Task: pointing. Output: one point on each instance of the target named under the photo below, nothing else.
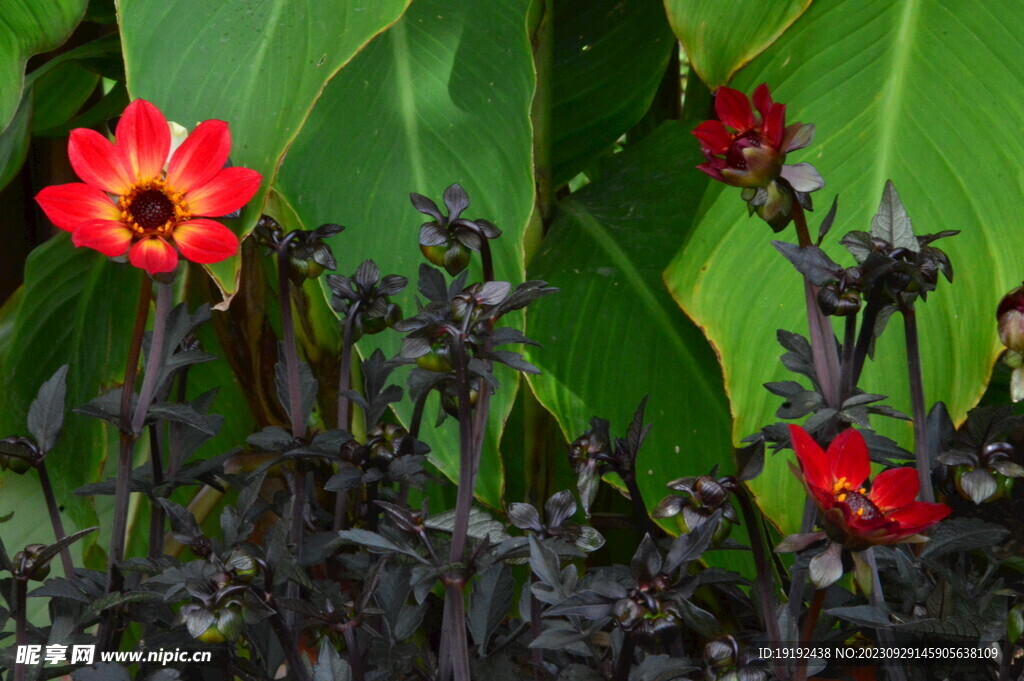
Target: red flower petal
(97, 161)
(812, 459)
(69, 205)
(894, 488)
(144, 139)
(713, 136)
(848, 458)
(200, 156)
(773, 125)
(918, 515)
(153, 254)
(205, 241)
(763, 100)
(712, 171)
(106, 236)
(733, 109)
(227, 191)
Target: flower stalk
(762, 563)
(918, 409)
(20, 623)
(124, 460)
(58, 525)
(807, 633)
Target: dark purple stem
(164, 298)
(20, 623)
(344, 418)
(291, 353)
(762, 562)
(122, 485)
(823, 349)
(924, 465)
(58, 525)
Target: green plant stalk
(20, 623)
(923, 460)
(765, 589)
(58, 525)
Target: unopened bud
(1010, 314)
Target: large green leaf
(615, 334)
(721, 37)
(870, 76)
(258, 65)
(76, 308)
(443, 96)
(29, 27)
(609, 58)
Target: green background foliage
(561, 119)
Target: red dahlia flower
(135, 199)
(749, 151)
(855, 516)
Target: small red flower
(134, 199)
(749, 150)
(855, 516)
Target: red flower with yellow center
(858, 516)
(134, 199)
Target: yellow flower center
(151, 208)
(856, 500)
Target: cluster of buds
(33, 563)
(986, 474)
(558, 510)
(18, 454)
(309, 254)
(981, 456)
(365, 298)
(842, 297)
(902, 271)
(218, 611)
(588, 457)
(701, 497)
(447, 240)
(725, 662)
(649, 612)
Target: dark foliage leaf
(489, 603)
(892, 223)
(46, 415)
(960, 535)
